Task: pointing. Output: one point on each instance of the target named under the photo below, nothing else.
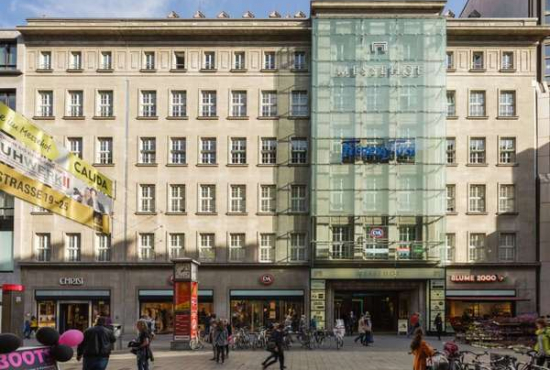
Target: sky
(14, 12)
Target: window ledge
(175, 213)
(237, 165)
(273, 118)
(507, 213)
(507, 118)
(208, 70)
(301, 70)
(177, 165)
(242, 70)
(451, 70)
(507, 164)
(237, 118)
(206, 213)
(99, 118)
(507, 70)
(75, 118)
(478, 70)
(70, 70)
(269, 70)
(451, 213)
(208, 118)
(153, 118)
(10, 72)
(266, 165)
(477, 213)
(266, 213)
(182, 118)
(103, 164)
(41, 213)
(298, 165)
(49, 70)
(297, 213)
(477, 117)
(298, 117)
(452, 117)
(146, 164)
(236, 214)
(139, 213)
(206, 165)
(452, 164)
(106, 70)
(42, 118)
(145, 70)
(477, 164)
(178, 70)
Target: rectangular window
(477, 104)
(298, 198)
(239, 63)
(507, 60)
(298, 247)
(450, 244)
(179, 60)
(208, 104)
(104, 150)
(507, 198)
(178, 150)
(342, 247)
(209, 61)
(299, 104)
(149, 60)
(106, 60)
(75, 104)
(236, 247)
(73, 248)
(147, 198)
(43, 247)
(300, 63)
(45, 61)
(476, 250)
(105, 104)
(507, 104)
(103, 248)
(477, 150)
(269, 60)
(207, 199)
(238, 103)
(177, 199)
(507, 247)
(267, 247)
(477, 60)
(269, 103)
(238, 150)
(268, 198)
(75, 146)
(451, 103)
(206, 247)
(451, 198)
(8, 55)
(298, 151)
(147, 247)
(8, 97)
(208, 151)
(148, 106)
(148, 150)
(451, 150)
(237, 200)
(507, 150)
(477, 199)
(177, 245)
(45, 104)
(450, 60)
(269, 150)
(178, 104)
(76, 60)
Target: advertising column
(186, 288)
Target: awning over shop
(154, 293)
(486, 299)
(266, 293)
(480, 293)
(72, 293)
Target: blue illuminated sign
(378, 150)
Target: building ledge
(101, 70)
(507, 118)
(503, 265)
(10, 72)
(106, 118)
(156, 264)
(180, 118)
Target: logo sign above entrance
(267, 279)
(488, 278)
(72, 281)
(377, 232)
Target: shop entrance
(383, 307)
(74, 315)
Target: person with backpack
(96, 347)
(275, 345)
(542, 347)
(220, 341)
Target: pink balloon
(71, 338)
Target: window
(298, 198)
(105, 104)
(178, 150)
(8, 97)
(269, 60)
(269, 150)
(268, 198)
(45, 104)
(297, 247)
(148, 150)
(208, 104)
(179, 60)
(451, 198)
(507, 104)
(300, 61)
(176, 199)
(206, 247)
(207, 199)
(477, 60)
(507, 62)
(147, 198)
(451, 150)
(104, 150)
(103, 247)
(178, 104)
(239, 61)
(43, 247)
(507, 247)
(149, 60)
(75, 105)
(148, 106)
(75, 62)
(267, 247)
(269, 103)
(8, 55)
(477, 150)
(451, 103)
(477, 103)
(177, 245)
(379, 48)
(477, 199)
(342, 247)
(146, 247)
(450, 60)
(7, 205)
(106, 62)
(299, 104)
(476, 250)
(208, 150)
(507, 150)
(238, 151)
(298, 149)
(75, 146)
(209, 61)
(237, 200)
(45, 61)
(73, 248)
(507, 198)
(238, 103)
(236, 247)
(450, 244)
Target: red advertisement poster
(182, 296)
(194, 309)
(186, 306)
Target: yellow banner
(34, 192)
(36, 139)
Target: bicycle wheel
(193, 344)
(339, 343)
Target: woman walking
(275, 346)
(421, 350)
(438, 322)
(543, 342)
(220, 340)
(141, 345)
(368, 330)
(361, 330)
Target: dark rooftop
(495, 9)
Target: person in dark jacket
(438, 322)
(96, 346)
(275, 346)
(141, 346)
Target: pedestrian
(438, 322)
(150, 323)
(212, 336)
(275, 346)
(220, 341)
(542, 347)
(414, 323)
(96, 347)
(352, 320)
(141, 346)
(421, 350)
(361, 330)
(27, 328)
(368, 330)
(229, 334)
(34, 325)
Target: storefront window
(46, 314)
(471, 310)
(256, 313)
(161, 312)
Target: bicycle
(475, 364)
(507, 362)
(196, 343)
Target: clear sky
(14, 12)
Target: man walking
(96, 346)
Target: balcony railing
(379, 251)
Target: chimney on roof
(199, 14)
(173, 15)
(274, 14)
(300, 14)
(224, 14)
(248, 14)
(449, 14)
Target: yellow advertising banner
(41, 195)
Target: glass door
(74, 315)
